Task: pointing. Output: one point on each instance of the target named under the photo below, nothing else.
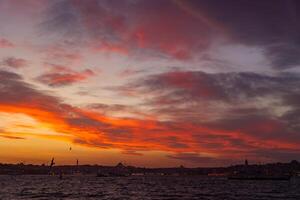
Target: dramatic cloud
(260, 106)
(201, 81)
(133, 135)
(88, 128)
(16, 96)
(178, 86)
(159, 27)
(270, 24)
(182, 29)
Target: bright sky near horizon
(149, 83)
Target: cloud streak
(63, 76)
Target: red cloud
(162, 29)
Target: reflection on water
(144, 187)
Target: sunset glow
(149, 83)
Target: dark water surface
(144, 187)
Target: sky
(159, 83)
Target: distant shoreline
(120, 169)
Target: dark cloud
(284, 55)
(292, 117)
(257, 105)
(14, 91)
(154, 27)
(95, 143)
(170, 141)
(215, 141)
(85, 121)
(106, 107)
(175, 142)
(63, 76)
(271, 24)
(182, 29)
(180, 86)
(118, 109)
(14, 62)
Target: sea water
(144, 187)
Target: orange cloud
(92, 129)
